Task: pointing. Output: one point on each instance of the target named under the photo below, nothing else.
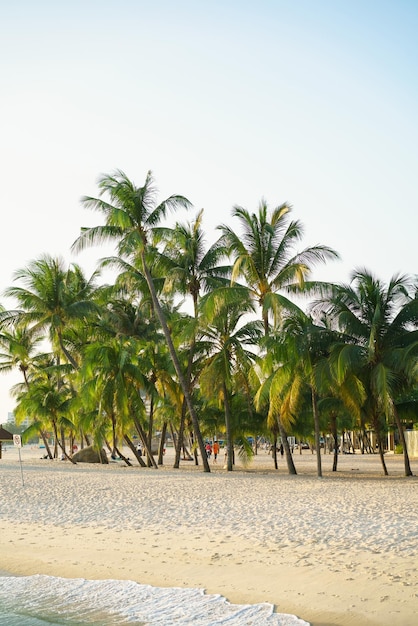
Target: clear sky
(310, 102)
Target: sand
(341, 550)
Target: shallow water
(42, 600)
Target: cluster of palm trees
(204, 341)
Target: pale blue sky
(313, 103)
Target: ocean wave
(47, 599)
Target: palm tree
(47, 399)
(19, 350)
(131, 214)
(52, 299)
(264, 256)
(379, 344)
(129, 314)
(228, 358)
(190, 269)
(18, 344)
(113, 380)
(306, 344)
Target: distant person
(281, 450)
(215, 450)
(208, 448)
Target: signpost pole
(17, 442)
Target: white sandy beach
(342, 550)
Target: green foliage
(105, 361)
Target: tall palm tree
(190, 270)
(306, 344)
(131, 213)
(264, 255)
(47, 399)
(113, 381)
(18, 345)
(379, 344)
(51, 299)
(229, 358)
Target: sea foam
(111, 602)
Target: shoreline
(338, 551)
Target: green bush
(398, 448)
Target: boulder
(90, 455)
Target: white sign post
(17, 442)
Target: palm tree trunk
(176, 362)
(46, 444)
(131, 445)
(228, 427)
(274, 449)
(408, 471)
(184, 404)
(335, 437)
(66, 353)
(180, 436)
(114, 444)
(289, 457)
(162, 444)
(144, 440)
(63, 447)
(380, 446)
(122, 456)
(317, 433)
(173, 434)
(57, 441)
(150, 425)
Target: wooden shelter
(4, 436)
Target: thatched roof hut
(4, 436)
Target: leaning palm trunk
(335, 437)
(317, 437)
(162, 444)
(408, 471)
(180, 436)
(150, 424)
(144, 439)
(62, 435)
(57, 441)
(66, 353)
(184, 404)
(228, 427)
(274, 449)
(46, 444)
(176, 363)
(133, 449)
(380, 446)
(289, 458)
(122, 456)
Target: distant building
(12, 420)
